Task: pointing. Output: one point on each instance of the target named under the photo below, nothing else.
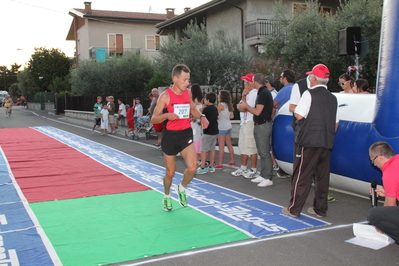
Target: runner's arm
(158, 116)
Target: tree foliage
(218, 61)
(8, 76)
(22, 82)
(117, 75)
(158, 80)
(311, 37)
(44, 67)
(14, 91)
(60, 84)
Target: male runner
(174, 107)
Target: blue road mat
(252, 216)
(22, 241)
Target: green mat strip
(122, 227)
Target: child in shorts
(98, 106)
(208, 142)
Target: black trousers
(310, 165)
(386, 218)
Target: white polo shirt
(295, 95)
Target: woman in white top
(225, 109)
(138, 109)
(346, 83)
(196, 96)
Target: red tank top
(180, 105)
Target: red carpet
(48, 170)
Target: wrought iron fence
(101, 53)
(86, 102)
(262, 27)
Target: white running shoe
(251, 174)
(257, 180)
(239, 172)
(265, 183)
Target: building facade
(100, 34)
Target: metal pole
(357, 42)
(357, 66)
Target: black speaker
(347, 39)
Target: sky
(45, 23)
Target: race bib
(182, 110)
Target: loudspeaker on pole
(349, 41)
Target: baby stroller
(142, 123)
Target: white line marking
(3, 219)
(50, 248)
(113, 136)
(244, 243)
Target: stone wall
(88, 116)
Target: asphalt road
(319, 246)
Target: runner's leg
(190, 158)
(170, 165)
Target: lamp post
(41, 96)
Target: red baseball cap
(249, 77)
(320, 71)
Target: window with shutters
(299, 7)
(153, 42)
(118, 44)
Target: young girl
(225, 109)
(104, 120)
(196, 96)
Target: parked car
(2, 96)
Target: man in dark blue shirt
(287, 78)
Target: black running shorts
(174, 141)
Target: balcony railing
(101, 53)
(262, 27)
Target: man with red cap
(246, 140)
(317, 121)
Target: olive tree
(217, 61)
(311, 37)
(116, 75)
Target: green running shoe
(330, 198)
(167, 204)
(182, 196)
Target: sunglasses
(342, 83)
(372, 161)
